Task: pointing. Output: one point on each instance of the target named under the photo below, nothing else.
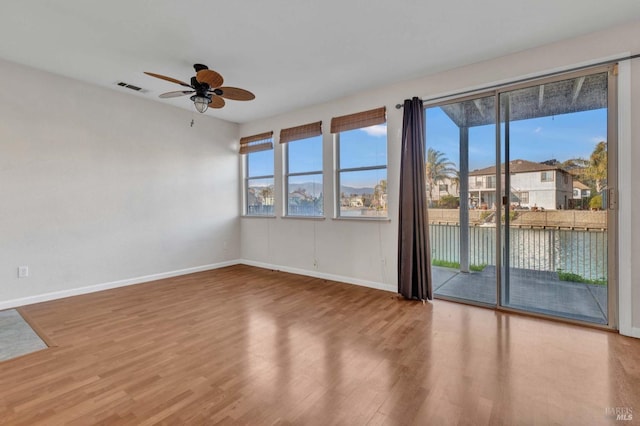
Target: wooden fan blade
(164, 77)
(236, 94)
(176, 94)
(216, 102)
(210, 77)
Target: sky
(562, 137)
(358, 148)
(559, 137)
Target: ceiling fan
(206, 89)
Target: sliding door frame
(449, 100)
(612, 185)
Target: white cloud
(537, 130)
(597, 139)
(376, 131)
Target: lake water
(579, 252)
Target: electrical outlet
(225, 246)
(23, 271)
(315, 263)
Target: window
(491, 182)
(443, 187)
(258, 182)
(521, 197)
(566, 178)
(546, 176)
(361, 164)
(576, 193)
(303, 170)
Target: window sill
(257, 216)
(363, 219)
(305, 217)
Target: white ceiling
(290, 53)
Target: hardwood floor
(243, 345)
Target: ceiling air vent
(131, 86)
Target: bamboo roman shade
(301, 132)
(255, 143)
(359, 120)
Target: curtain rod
(523, 80)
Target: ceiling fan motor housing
(200, 88)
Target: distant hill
(359, 191)
(310, 188)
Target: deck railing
(579, 252)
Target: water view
(572, 253)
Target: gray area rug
(16, 336)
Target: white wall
(98, 187)
(353, 250)
(541, 194)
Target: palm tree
(267, 195)
(437, 169)
(597, 169)
(379, 191)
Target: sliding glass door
(555, 166)
(462, 200)
(521, 206)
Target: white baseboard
(631, 332)
(14, 303)
(321, 275)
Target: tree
(378, 193)
(596, 202)
(437, 169)
(318, 205)
(449, 202)
(267, 195)
(575, 164)
(597, 169)
(383, 185)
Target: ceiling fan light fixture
(201, 103)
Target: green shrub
(596, 202)
(575, 278)
(478, 268)
(449, 202)
(445, 263)
(512, 215)
(456, 265)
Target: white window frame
(287, 175)
(544, 176)
(491, 182)
(521, 195)
(338, 184)
(247, 178)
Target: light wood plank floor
(243, 345)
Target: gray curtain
(414, 253)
